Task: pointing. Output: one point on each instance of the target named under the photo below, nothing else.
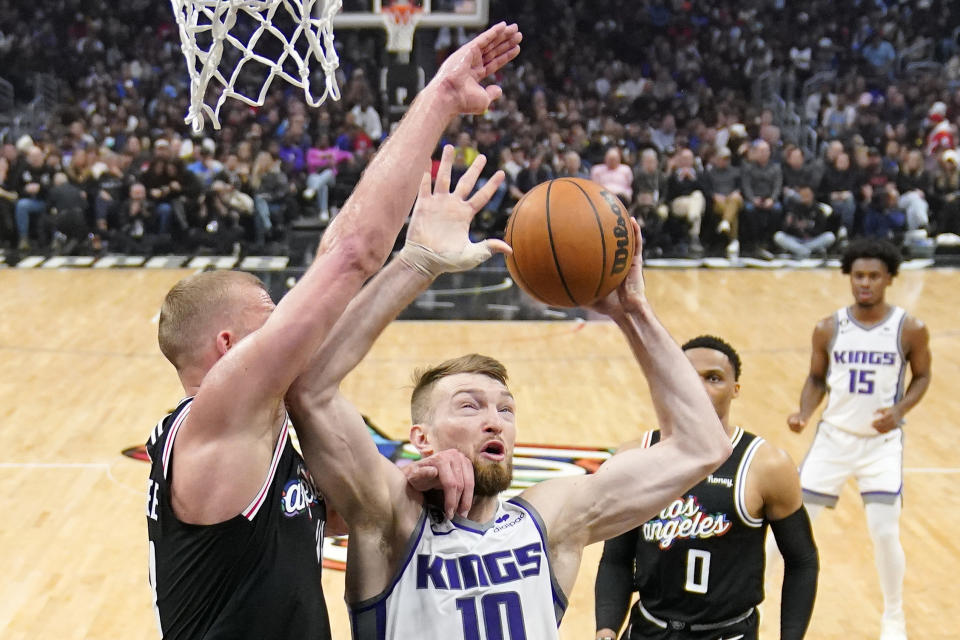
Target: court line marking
(102, 466)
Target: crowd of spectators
(653, 99)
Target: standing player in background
(860, 355)
(234, 522)
(503, 568)
(698, 566)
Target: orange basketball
(572, 242)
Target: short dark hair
(872, 248)
(717, 344)
(424, 379)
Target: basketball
(572, 242)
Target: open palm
(462, 72)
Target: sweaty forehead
(469, 382)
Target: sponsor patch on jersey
(299, 495)
(724, 482)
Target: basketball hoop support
(400, 22)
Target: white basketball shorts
(876, 462)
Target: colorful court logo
(531, 464)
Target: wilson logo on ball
(622, 256)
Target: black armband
(614, 584)
(801, 566)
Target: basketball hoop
(212, 20)
(400, 21)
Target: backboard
(434, 13)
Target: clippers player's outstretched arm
(634, 484)
(234, 419)
(916, 346)
(815, 386)
(375, 498)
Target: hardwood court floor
(81, 379)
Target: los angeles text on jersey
(478, 570)
(683, 519)
(864, 357)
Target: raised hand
(461, 73)
(438, 238)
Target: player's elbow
(304, 399)
(711, 452)
(360, 253)
(716, 454)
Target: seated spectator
(805, 230)
(664, 136)
(876, 189)
(7, 199)
(205, 166)
(686, 203)
(137, 227)
(32, 180)
(156, 181)
(762, 182)
(270, 191)
(112, 182)
(536, 172)
(509, 164)
(466, 148)
(915, 185)
(891, 159)
(837, 188)
(367, 117)
(323, 163)
(884, 218)
(722, 182)
(946, 189)
(493, 216)
(613, 175)
(648, 208)
(80, 171)
(880, 57)
(68, 205)
(797, 175)
(572, 166)
(352, 136)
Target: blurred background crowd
(752, 128)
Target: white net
(400, 22)
(235, 48)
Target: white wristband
(431, 264)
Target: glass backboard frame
(429, 18)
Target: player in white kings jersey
(488, 568)
(860, 354)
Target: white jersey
(865, 372)
(466, 581)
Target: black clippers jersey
(701, 559)
(256, 575)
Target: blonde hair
(189, 307)
(425, 379)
